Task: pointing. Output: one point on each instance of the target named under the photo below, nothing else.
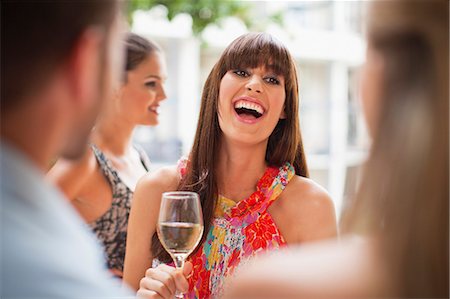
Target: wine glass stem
(179, 263)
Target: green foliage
(203, 12)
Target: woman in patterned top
(248, 166)
(101, 184)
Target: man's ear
(83, 68)
(118, 91)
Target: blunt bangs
(253, 50)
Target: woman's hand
(163, 281)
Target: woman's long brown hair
(285, 143)
(403, 197)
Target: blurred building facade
(326, 39)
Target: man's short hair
(38, 35)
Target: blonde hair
(403, 197)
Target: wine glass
(180, 225)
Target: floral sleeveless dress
(240, 231)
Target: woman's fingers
(158, 280)
(147, 294)
(181, 283)
(187, 269)
(163, 281)
(179, 277)
(163, 274)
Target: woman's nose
(254, 84)
(162, 94)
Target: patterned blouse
(240, 231)
(111, 227)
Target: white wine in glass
(180, 225)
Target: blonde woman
(400, 214)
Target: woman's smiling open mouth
(248, 110)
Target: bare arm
(142, 222)
(327, 269)
(72, 176)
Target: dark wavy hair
(138, 49)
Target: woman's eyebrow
(272, 68)
(153, 77)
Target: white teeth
(153, 108)
(249, 105)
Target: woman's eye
(150, 84)
(273, 80)
(241, 73)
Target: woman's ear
(283, 114)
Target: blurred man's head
(62, 55)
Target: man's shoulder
(48, 252)
(51, 259)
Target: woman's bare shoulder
(305, 212)
(165, 178)
(71, 176)
(146, 201)
(305, 194)
(84, 166)
(151, 186)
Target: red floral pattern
(199, 280)
(239, 232)
(261, 232)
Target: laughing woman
(100, 185)
(249, 168)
